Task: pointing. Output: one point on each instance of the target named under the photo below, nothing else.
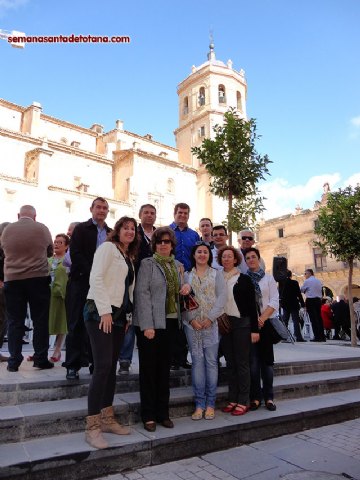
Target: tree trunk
(230, 217)
(351, 306)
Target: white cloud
(6, 5)
(355, 121)
(282, 198)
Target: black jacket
(290, 295)
(82, 248)
(244, 295)
(144, 247)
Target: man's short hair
(27, 211)
(99, 199)
(204, 219)
(220, 227)
(181, 205)
(310, 270)
(247, 230)
(147, 205)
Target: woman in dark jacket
(242, 313)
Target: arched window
(238, 101)
(186, 106)
(201, 96)
(222, 95)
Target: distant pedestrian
(312, 287)
(291, 302)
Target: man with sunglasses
(246, 239)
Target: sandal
(229, 408)
(270, 405)
(198, 414)
(209, 413)
(254, 405)
(240, 410)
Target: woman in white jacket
(109, 301)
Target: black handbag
(275, 330)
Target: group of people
(135, 280)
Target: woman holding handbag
(242, 316)
(262, 353)
(201, 329)
(107, 309)
(157, 316)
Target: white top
(107, 278)
(270, 293)
(231, 307)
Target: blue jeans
(127, 349)
(204, 372)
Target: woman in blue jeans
(202, 331)
(262, 353)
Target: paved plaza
(331, 452)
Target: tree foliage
(338, 227)
(235, 168)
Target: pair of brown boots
(103, 422)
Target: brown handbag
(224, 324)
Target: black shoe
(270, 405)
(300, 340)
(254, 405)
(9, 368)
(72, 374)
(167, 423)
(43, 365)
(186, 365)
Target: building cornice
(66, 124)
(142, 153)
(197, 118)
(12, 106)
(140, 137)
(24, 181)
(77, 194)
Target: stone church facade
(60, 167)
(292, 236)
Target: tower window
(201, 96)
(202, 131)
(186, 106)
(238, 101)
(280, 232)
(222, 95)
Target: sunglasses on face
(166, 241)
(247, 238)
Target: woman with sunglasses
(262, 353)
(242, 314)
(157, 316)
(202, 331)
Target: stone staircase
(42, 422)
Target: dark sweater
(244, 295)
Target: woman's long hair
(114, 236)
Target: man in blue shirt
(185, 236)
(185, 240)
(312, 287)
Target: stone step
(31, 420)
(68, 457)
(54, 386)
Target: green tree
(338, 227)
(235, 168)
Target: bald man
(27, 244)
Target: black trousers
(106, 349)
(154, 373)
(178, 343)
(78, 350)
(236, 347)
(36, 293)
(313, 308)
(294, 312)
(3, 317)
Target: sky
(301, 60)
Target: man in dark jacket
(341, 311)
(291, 301)
(86, 238)
(147, 215)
